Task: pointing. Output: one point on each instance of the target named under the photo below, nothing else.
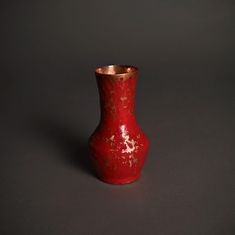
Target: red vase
(118, 146)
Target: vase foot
(126, 180)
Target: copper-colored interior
(115, 69)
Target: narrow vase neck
(117, 99)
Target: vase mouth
(116, 71)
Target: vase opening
(113, 70)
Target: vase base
(126, 180)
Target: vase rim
(116, 71)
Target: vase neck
(117, 99)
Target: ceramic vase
(118, 146)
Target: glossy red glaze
(118, 146)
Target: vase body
(118, 146)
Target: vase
(118, 146)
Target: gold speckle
(113, 116)
(135, 160)
(107, 161)
(123, 98)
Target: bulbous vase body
(118, 146)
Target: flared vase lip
(114, 71)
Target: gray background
(49, 106)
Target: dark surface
(49, 106)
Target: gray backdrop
(185, 102)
